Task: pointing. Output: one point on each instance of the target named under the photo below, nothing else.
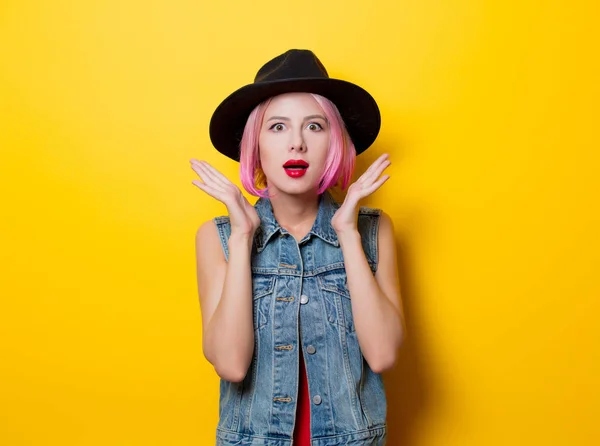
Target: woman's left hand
(345, 218)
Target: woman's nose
(298, 144)
(298, 147)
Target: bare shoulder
(387, 270)
(210, 268)
(386, 227)
(207, 233)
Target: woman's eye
(315, 126)
(277, 127)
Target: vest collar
(321, 228)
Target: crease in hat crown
(293, 64)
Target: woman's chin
(296, 186)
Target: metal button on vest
(317, 399)
(311, 350)
(304, 299)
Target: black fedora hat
(295, 71)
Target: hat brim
(357, 107)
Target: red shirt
(302, 428)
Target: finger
(210, 173)
(376, 172)
(218, 176)
(377, 162)
(374, 166)
(354, 195)
(206, 177)
(215, 193)
(372, 188)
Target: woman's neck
(295, 213)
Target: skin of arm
(225, 290)
(376, 304)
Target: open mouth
(295, 168)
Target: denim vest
(301, 305)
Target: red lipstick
(295, 168)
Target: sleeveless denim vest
(302, 305)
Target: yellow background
(490, 112)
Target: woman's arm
(376, 303)
(376, 307)
(225, 290)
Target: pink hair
(339, 164)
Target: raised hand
(243, 217)
(345, 218)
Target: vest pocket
(262, 289)
(336, 295)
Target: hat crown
(293, 64)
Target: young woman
(299, 295)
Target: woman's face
(293, 143)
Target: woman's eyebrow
(316, 117)
(279, 118)
(306, 118)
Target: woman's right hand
(242, 215)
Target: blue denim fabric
(302, 306)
